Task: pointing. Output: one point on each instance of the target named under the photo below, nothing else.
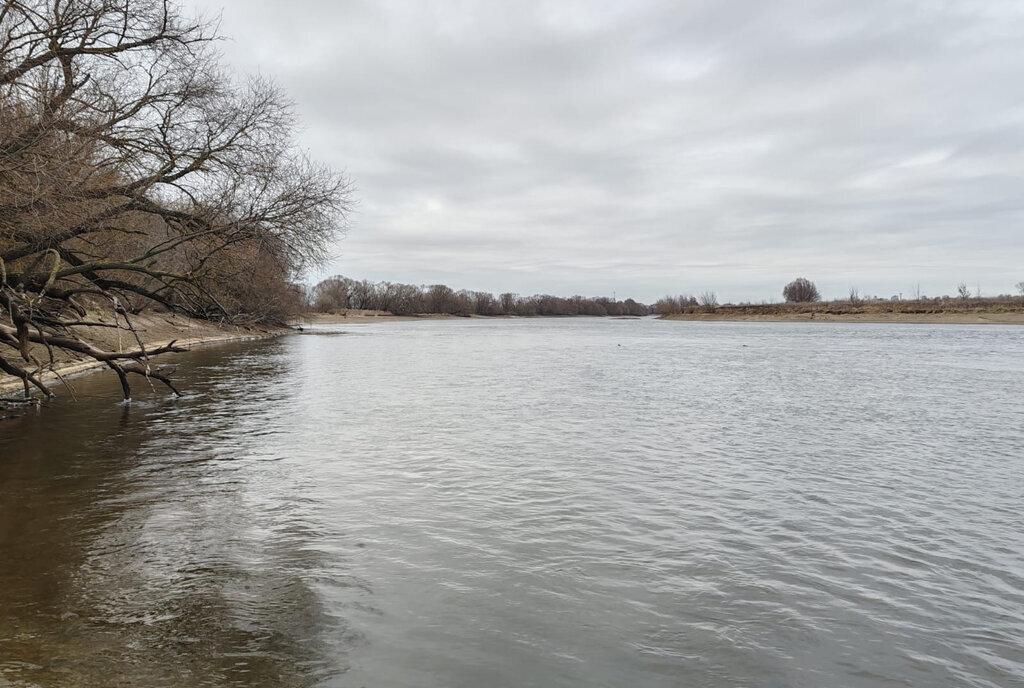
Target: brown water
(529, 503)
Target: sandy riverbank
(940, 318)
(155, 330)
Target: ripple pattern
(543, 503)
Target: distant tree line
(340, 293)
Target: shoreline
(723, 315)
(162, 328)
(186, 332)
(356, 317)
(360, 317)
(938, 318)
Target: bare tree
(854, 296)
(668, 305)
(134, 170)
(485, 303)
(801, 290)
(441, 299)
(963, 291)
(708, 301)
(331, 294)
(508, 302)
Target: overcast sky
(653, 147)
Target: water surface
(582, 502)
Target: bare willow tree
(135, 170)
(708, 301)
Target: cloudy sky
(653, 147)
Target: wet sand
(155, 330)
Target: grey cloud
(646, 147)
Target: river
(536, 502)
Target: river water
(579, 502)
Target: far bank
(935, 318)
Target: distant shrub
(801, 290)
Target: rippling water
(585, 502)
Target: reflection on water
(546, 503)
(157, 543)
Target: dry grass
(994, 310)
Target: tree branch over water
(136, 172)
